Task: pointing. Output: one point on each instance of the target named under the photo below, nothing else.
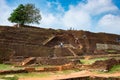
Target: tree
(25, 14)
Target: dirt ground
(75, 74)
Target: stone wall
(105, 65)
(100, 46)
(52, 61)
(28, 41)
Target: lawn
(115, 68)
(90, 61)
(8, 67)
(34, 74)
(41, 74)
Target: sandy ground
(75, 74)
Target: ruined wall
(107, 46)
(28, 41)
(25, 41)
(89, 43)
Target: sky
(89, 15)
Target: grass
(8, 67)
(47, 74)
(90, 61)
(33, 75)
(111, 51)
(29, 75)
(115, 68)
(5, 67)
(11, 67)
(42, 74)
(9, 77)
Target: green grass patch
(34, 75)
(111, 51)
(115, 68)
(9, 77)
(5, 67)
(8, 67)
(91, 61)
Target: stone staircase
(72, 52)
(27, 61)
(48, 40)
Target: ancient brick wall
(25, 41)
(107, 46)
(52, 61)
(28, 41)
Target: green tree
(25, 14)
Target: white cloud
(96, 7)
(109, 23)
(79, 16)
(77, 19)
(50, 21)
(5, 11)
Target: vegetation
(5, 67)
(115, 68)
(44, 74)
(111, 51)
(9, 77)
(90, 61)
(25, 14)
(34, 75)
(8, 67)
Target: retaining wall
(107, 46)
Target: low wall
(105, 65)
(13, 71)
(45, 69)
(107, 46)
(52, 61)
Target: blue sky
(90, 15)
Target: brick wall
(107, 46)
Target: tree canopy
(25, 14)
